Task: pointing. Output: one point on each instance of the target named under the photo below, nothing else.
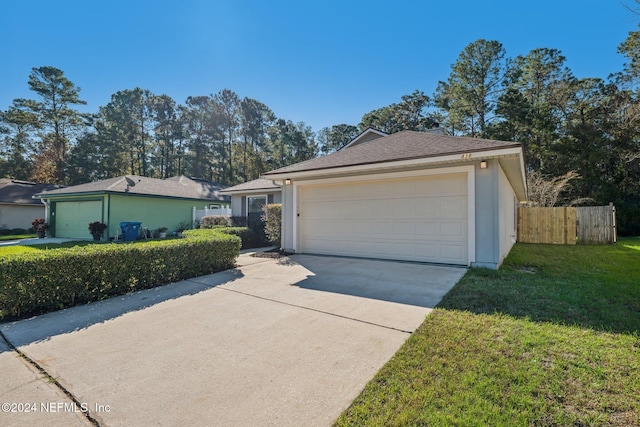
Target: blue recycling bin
(130, 230)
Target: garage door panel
(427, 208)
(452, 230)
(452, 252)
(428, 229)
(453, 187)
(453, 207)
(418, 218)
(404, 228)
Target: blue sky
(323, 63)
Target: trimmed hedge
(33, 283)
(11, 231)
(247, 236)
(212, 221)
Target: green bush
(211, 221)
(272, 217)
(238, 221)
(32, 283)
(16, 231)
(247, 236)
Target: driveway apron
(288, 341)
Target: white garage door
(416, 219)
(73, 218)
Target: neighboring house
(247, 199)
(153, 202)
(415, 196)
(18, 208)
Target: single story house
(18, 208)
(154, 202)
(415, 196)
(248, 198)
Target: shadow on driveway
(409, 283)
(45, 326)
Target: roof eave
(122, 193)
(253, 190)
(79, 193)
(426, 160)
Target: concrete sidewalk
(288, 341)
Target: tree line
(583, 130)
(220, 137)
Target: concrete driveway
(273, 342)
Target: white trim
(381, 166)
(471, 212)
(523, 173)
(294, 215)
(255, 191)
(471, 198)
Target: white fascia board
(523, 172)
(254, 191)
(386, 175)
(380, 167)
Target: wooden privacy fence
(567, 225)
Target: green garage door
(73, 218)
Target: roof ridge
(116, 182)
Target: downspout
(108, 217)
(45, 202)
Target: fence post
(613, 222)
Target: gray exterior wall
(495, 220)
(236, 204)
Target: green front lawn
(16, 237)
(551, 339)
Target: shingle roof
(21, 192)
(256, 184)
(404, 145)
(180, 187)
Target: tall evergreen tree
(58, 121)
(470, 94)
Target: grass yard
(16, 237)
(551, 339)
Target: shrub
(247, 236)
(16, 231)
(272, 218)
(238, 221)
(37, 282)
(212, 221)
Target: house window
(254, 210)
(255, 204)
